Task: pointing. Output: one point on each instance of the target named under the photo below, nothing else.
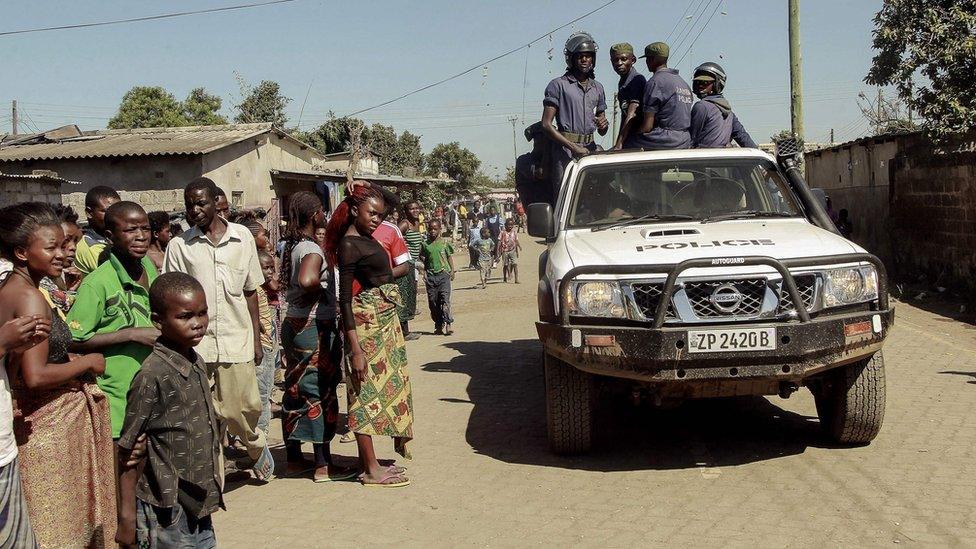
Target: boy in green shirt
(438, 273)
(111, 313)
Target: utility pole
(796, 71)
(513, 120)
(831, 136)
(877, 130)
(13, 116)
(613, 134)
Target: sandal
(348, 437)
(264, 466)
(347, 475)
(389, 480)
(396, 469)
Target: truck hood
(663, 243)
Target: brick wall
(13, 191)
(933, 217)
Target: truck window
(699, 188)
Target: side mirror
(541, 223)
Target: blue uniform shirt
(576, 106)
(630, 89)
(714, 125)
(667, 97)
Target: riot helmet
(580, 42)
(711, 72)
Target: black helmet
(580, 42)
(711, 72)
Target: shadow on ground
(957, 373)
(508, 420)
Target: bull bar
(674, 270)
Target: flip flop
(348, 475)
(264, 467)
(396, 469)
(388, 480)
(348, 437)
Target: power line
(692, 27)
(680, 19)
(479, 65)
(700, 31)
(147, 18)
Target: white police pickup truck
(705, 273)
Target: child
(111, 312)
(169, 501)
(485, 247)
(508, 249)
(474, 235)
(438, 273)
(269, 336)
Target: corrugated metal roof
(137, 142)
(37, 177)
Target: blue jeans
(170, 528)
(265, 372)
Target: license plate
(733, 340)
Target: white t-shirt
(8, 445)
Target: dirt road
(740, 472)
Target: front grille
(647, 296)
(752, 291)
(806, 285)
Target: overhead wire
(147, 18)
(700, 31)
(680, 19)
(691, 28)
(482, 64)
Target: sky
(347, 56)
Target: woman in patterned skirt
(378, 388)
(310, 343)
(410, 227)
(61, 418)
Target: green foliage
(333, 135)
(202, 109)
(508, 182)
(926, 49)
(395, 152)
(148, 107)
(456, 161)
(263, 103)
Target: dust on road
(740, 472)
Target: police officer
(630, 90)
(577, 103)
(666, 105)
(713, 124)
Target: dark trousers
(473, 256)
(439, 298)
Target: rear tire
(851, 401)
(569, 407)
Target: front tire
(851, 401)
(569, 407)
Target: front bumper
(660, 354)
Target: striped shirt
(415, 242)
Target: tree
(458, 162)
(927, 51)
(201, 108)
(508, 181)
(148, 107)
(884, 114)
(395, 152)
(263, 103)
(333, 135)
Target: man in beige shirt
(222, 256)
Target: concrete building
(152, 165)
(38, 186)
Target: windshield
(704, 189)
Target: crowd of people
(140, 357)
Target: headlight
(601, 299)
(849, 286)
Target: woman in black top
(379, 397)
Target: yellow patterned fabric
(383, 405)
